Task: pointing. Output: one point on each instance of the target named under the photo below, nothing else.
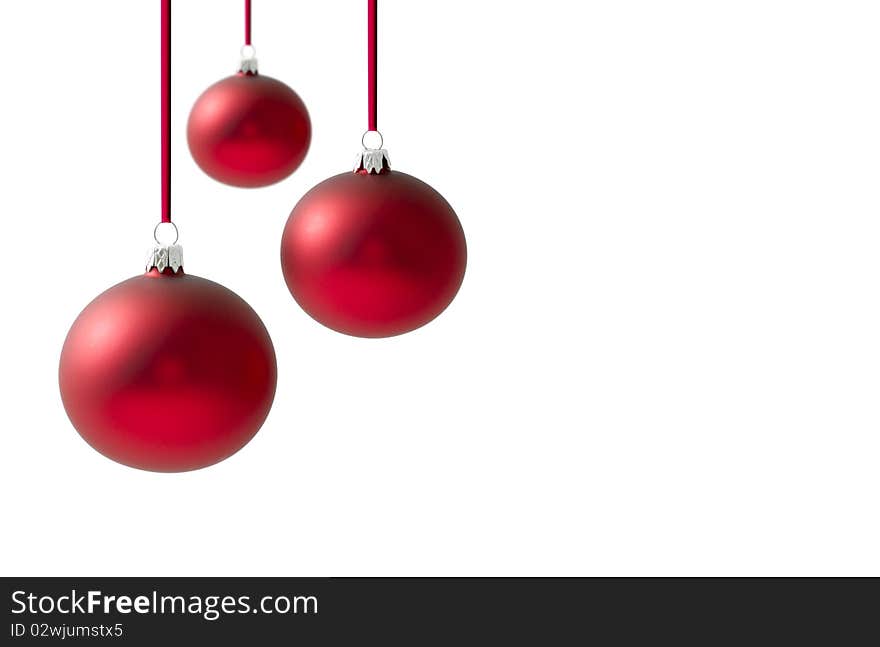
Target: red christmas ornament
(167, 372)
(373, 254)
(249, 130)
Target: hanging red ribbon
(247, 22)
(372, 38)
(166, 110)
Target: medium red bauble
(373, 255)
(249, 130)
(167, 372)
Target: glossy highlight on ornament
(168, 372)
(373, 254)
(249, 130)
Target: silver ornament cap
(249, 66)
(249, 60)
(164, 256)
(373, 161)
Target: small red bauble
(167, 372)
(249, 130)
(373, 255)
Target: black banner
(454, 611)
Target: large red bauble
(249, 130)
(373, 255)
(167, 372)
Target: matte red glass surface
(249, 130)
(167, 372)
(373, 255)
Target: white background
(664, 360)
